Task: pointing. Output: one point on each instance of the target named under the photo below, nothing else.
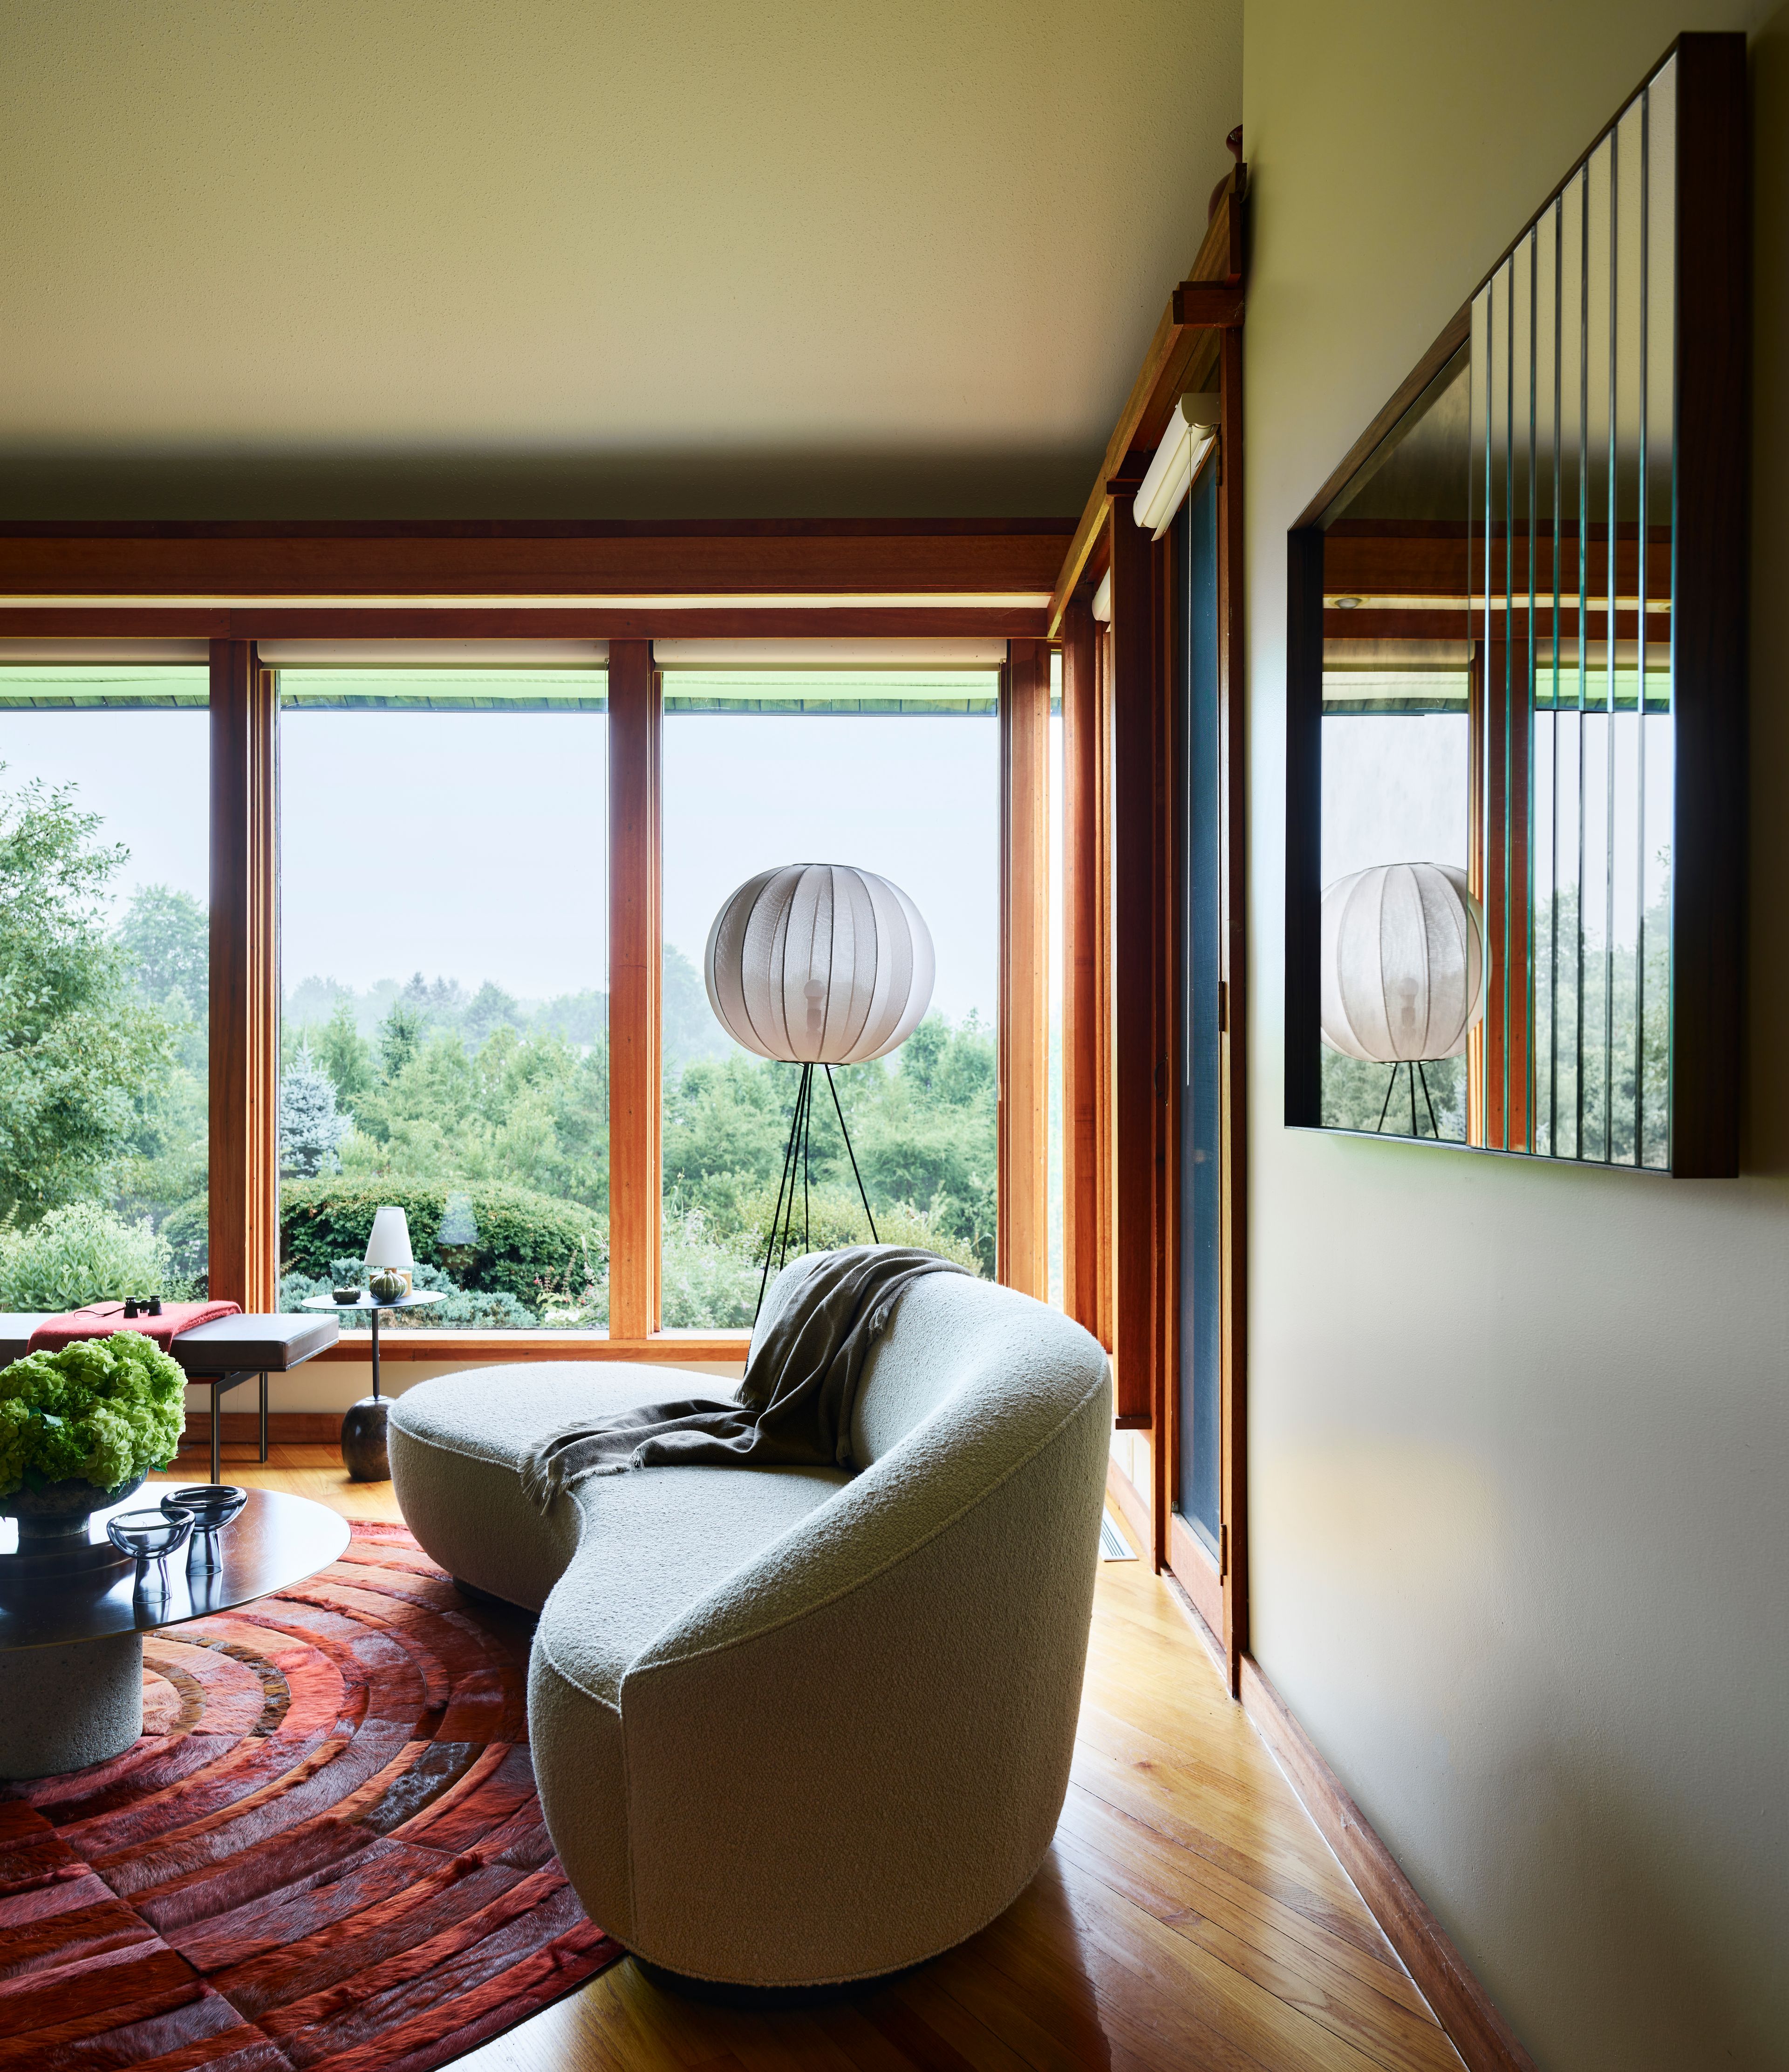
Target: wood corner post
(635, 966)
(243, 1021)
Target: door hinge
(1224, 1006)
(1223, 1552)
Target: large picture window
(895, 773)
(444, 957)
(105, 971)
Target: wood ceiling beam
(855, 558)
(1183, 350)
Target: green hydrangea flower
(101, 1410)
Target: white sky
(471, 845)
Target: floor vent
(1113, 1546)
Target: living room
(650, 660)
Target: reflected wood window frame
(1552, 630)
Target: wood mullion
(1024, 1040)
(1082, 993)
(1138, 1065)
(635, 956)
(243, 1021)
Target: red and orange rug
(324, 1854)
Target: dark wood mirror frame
(1711, 258)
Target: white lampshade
(1405, 962)
(819, 963)
(389, 1244)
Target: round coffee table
(71, 1647)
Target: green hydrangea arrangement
(101, 1410)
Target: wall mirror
(1516, 685)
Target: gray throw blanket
(795, 1404)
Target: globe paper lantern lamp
(1403, 962)
(819, 963)
(1404, 970)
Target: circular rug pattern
(326, 1851)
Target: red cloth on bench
(100, 1320)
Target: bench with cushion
(793, 1727)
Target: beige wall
(1518, 1436)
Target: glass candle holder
(212, 1505)
(151, 1535)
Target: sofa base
(767, 2000)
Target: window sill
(672, 1347)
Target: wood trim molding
(1461, 2004)
(1086, 1263)
(1233, 954)
(1024, 1020)
(634, 984)
(284, 620)
(1182, 346)
(244, 1027)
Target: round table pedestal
(364, 1430)
(63, 1708)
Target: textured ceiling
(370, 258)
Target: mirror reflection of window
(1397, 757)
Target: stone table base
(363, 1453)
(63, 1708)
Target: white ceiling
(717, 258)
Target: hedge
(522, 1235)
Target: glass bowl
(212, 1505)
(151, 1535)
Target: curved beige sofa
(792, 1727)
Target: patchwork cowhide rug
(325, 1851)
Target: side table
(364, 1426)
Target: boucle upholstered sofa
(791, 1727)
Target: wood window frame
(1121, 1138)
(234, 584)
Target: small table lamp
(389, 1247)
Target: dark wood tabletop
(274, 1540)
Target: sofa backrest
(948, 1333)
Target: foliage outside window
(898, 774)
(444, 1034)
(104, 964)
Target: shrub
(80, 1254)
(187, 1232)
(523, 1236)
(836, 1218)
(101, 1410)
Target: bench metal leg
(217, 1431)
(264, 1415)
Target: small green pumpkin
(387, 1284)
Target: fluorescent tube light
(1192, 432)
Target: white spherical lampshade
(819, 963)
(1405, 962)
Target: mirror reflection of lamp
(1404, 967)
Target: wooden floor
(1189, 1914)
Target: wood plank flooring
(1189, 1915)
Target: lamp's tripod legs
(797, 1165)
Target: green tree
(76, 1044)
(345, 1054)
(399, 1036)
(166, 937)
